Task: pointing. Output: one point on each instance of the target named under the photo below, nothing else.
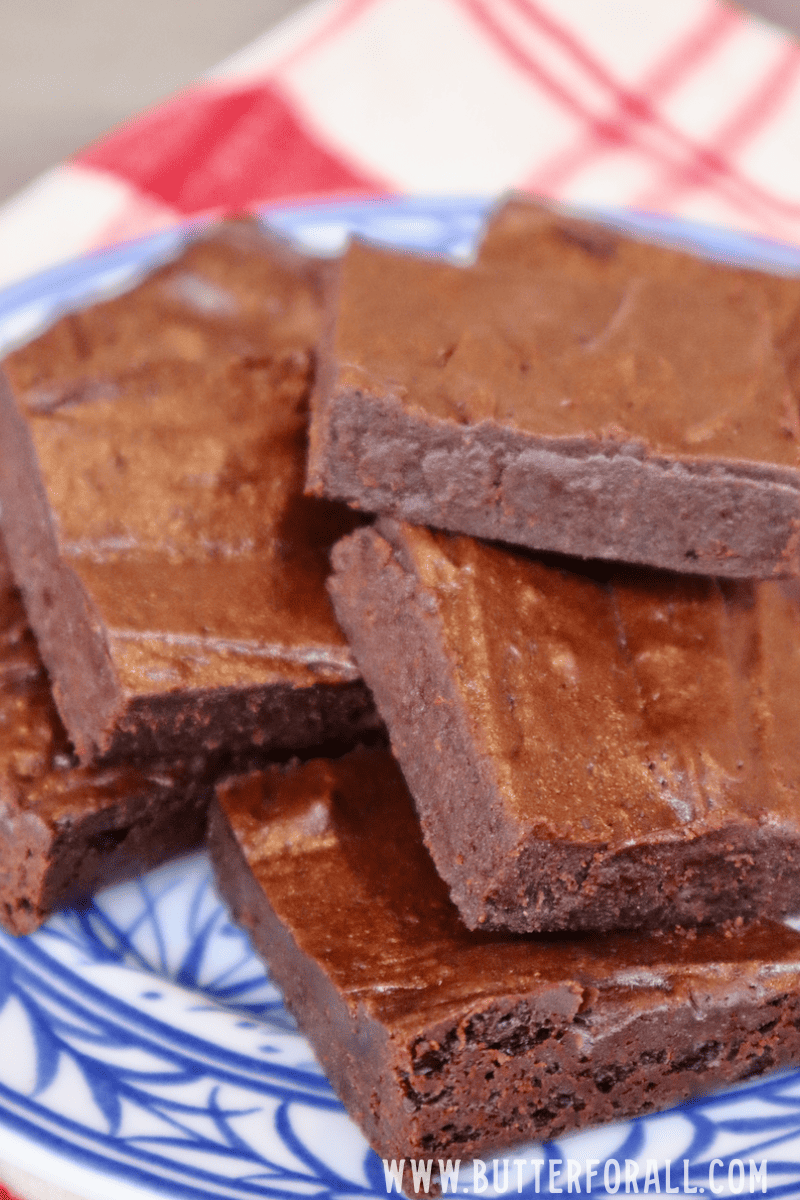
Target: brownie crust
(151, 489)
(628, 403)
(584, 752)
(442, 1041)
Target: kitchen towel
(689, 108)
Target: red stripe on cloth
(668, 74)
(533, 71)
(207, 149)
(634, 106)
(690, 51)
(739, 191)
(710, 161)
(609, 134)
(5, 1194)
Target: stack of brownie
(152, 459)
(557, 902)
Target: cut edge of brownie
(339, 1038)
(584, 497)
(376, 621)
(269, 720)
(69, 632)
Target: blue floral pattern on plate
(141, 1040)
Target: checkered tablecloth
(687, 107)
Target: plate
(144, 1050)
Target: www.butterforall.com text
(556, 1176)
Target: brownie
(575, 391)
(151, 487)
(67, 830)
(442, 1041)
(616, 750)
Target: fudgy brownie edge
(591, 499)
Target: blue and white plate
(143, 1049)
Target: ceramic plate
(143, 1049)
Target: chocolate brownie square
(446, 1042)
(586, 750)
(574, 390)
(151, 474)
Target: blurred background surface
(71, 69)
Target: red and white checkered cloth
(688, 108)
